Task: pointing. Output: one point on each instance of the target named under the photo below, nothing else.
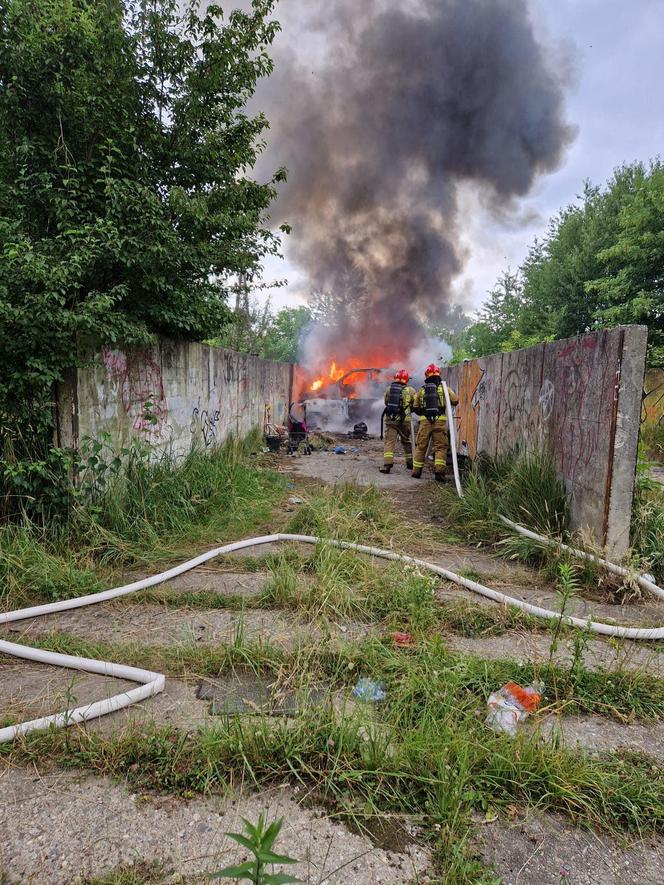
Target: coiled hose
(152, 683)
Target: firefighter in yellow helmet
(430, 405)
(398, 407)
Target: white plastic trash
(511, 704)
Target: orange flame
(335, 373)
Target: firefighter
(398, 406)
(430, 405)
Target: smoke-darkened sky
(593, 66)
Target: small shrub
(259, 839)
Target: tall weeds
(522, 487)
(141, 510)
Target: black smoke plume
(399, 104)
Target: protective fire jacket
(407, 399)
(418, 404)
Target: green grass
(622, 693)
(339, 585)
(152, 512)
(348, 512)
(526, 490)
(522, 487)
(648, 526)
(424, 752)
(651, 442)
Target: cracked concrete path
(157, 625)
(533, 647)
(60, 826)
(534, 848)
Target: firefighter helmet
(402, 376)
(431, 369)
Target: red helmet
(431, 369)
(402, 376)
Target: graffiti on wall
(141, 389)
(583, 419)
(571, 411)
(204, 424)
(471, 392)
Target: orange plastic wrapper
(529, 700)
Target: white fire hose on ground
(152, 683)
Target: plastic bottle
(511, 704)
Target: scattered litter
(368, 690)
(340, 450)
(273, 443)
(295, 500)
(402, 639)
(359, 431)
(265, 450)
(355, 450)
(290, 485)
(511, 704)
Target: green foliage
(600, 264)
(523, 487)
(254, 329)
(651, 442)
(647, 527)
(125, 205)
(259, 839)
(143, 509)
(283, 337)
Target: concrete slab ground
(59, 827)
(150, 624)
(533, 848)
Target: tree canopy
(126, 202)
(600, 264)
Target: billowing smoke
(381, 111)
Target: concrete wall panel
(173, 395)
(579, 399)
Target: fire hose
(150, 684)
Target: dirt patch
(541, 849)
(242, 585)
(59, 826)
(360, 464)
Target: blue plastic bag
(369, 690)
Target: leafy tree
(601, 263)
(125, 200)
(631, 289)
(496, 324)
(283, 337)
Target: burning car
(346, 396)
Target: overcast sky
(616, 102)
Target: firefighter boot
(409, 465)
(385, 468)
(440, 477)
(417, 473)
